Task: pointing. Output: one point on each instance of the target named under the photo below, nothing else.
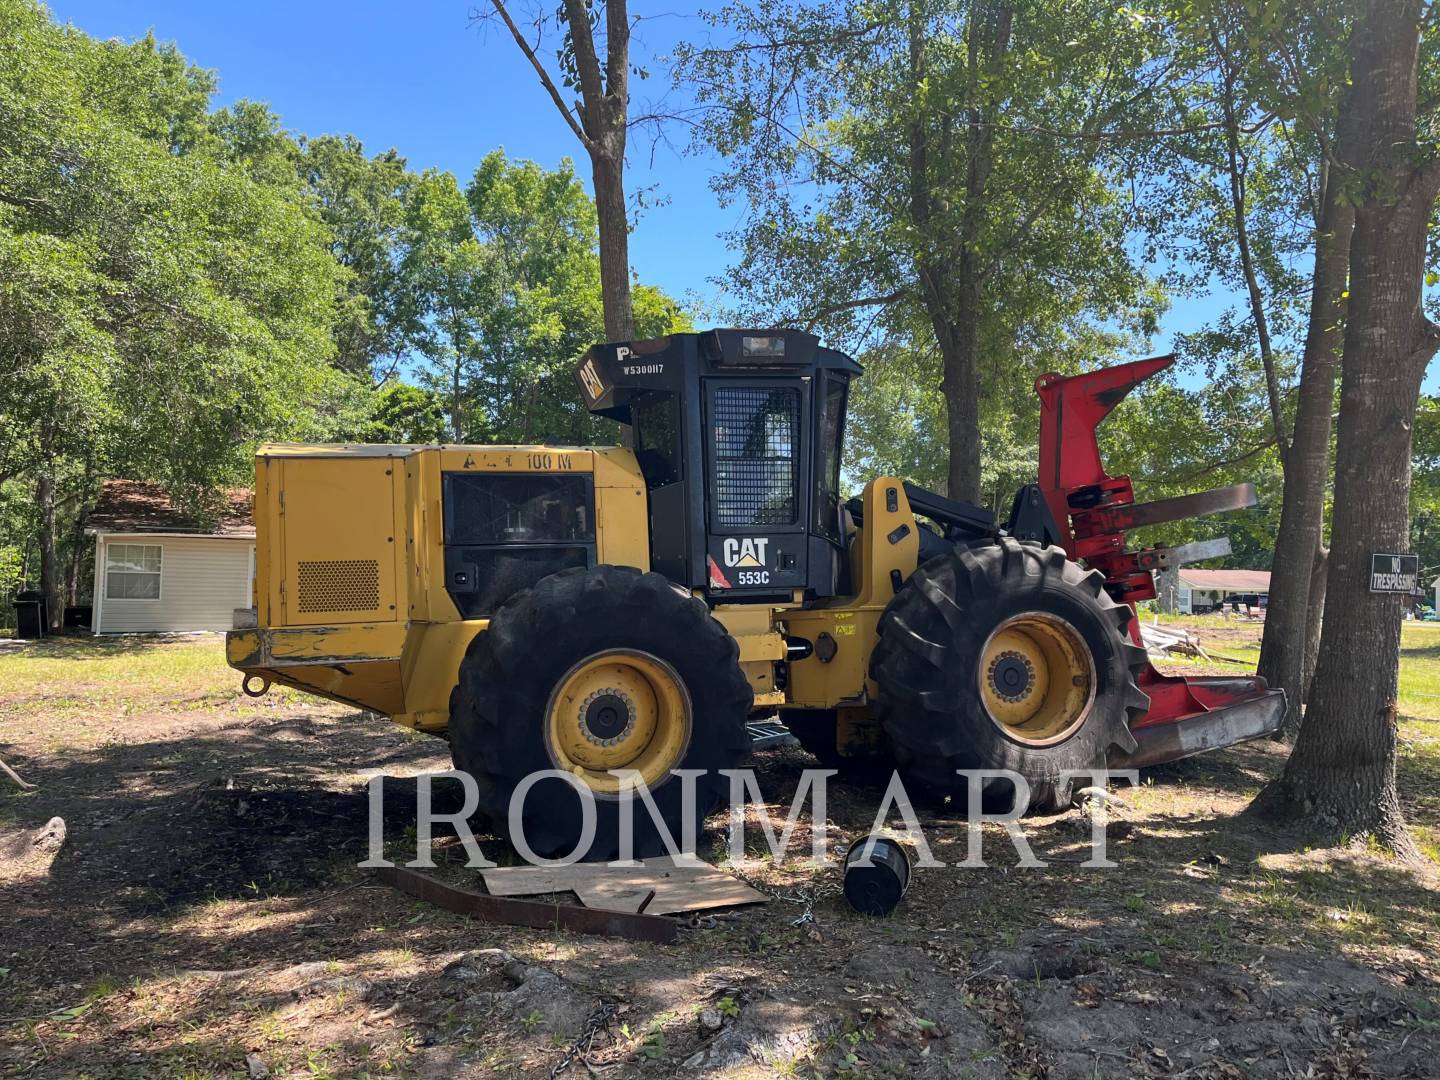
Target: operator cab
(738, 434)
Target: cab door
(756, 500)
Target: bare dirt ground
(205, 918)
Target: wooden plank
(624, 888)
(531, 880)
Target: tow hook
(252, 692)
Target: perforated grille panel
(339, 585)
(756, 455)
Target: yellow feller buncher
(595, 610)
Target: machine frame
(359, 593)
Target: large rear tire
(592, 670)
(1006, 656)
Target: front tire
(592, 670)
(1006, 656)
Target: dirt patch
(205, 917)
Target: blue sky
(419, 77)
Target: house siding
(203, 579)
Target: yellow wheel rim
(1037, 678)
(618, 710)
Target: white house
(158, 570)
(1205, 590)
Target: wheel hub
(1037, 678)
(1012, 675)
(606, 717)
(620, 709)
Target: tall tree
(161, 306)
(360, 198)
(1297, 580)
(600, 120)
(937, 172)
(456, 281)
(1271, 75)
(1342, 770)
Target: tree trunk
(72, 566)
(608, 172)
(1314, 622)
(953, 299)
(604, 118)
(961, 387)
(1342, 772)
(1239, 168)
(1293, 612)
(600, 120)
(49, 557)
(457, 422)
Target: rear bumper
(1250, 718)
(357, 664)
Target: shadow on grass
(162, 830)
(89, 647)
(1420, 652)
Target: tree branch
(1227, 462)
(24, 202)
(779, 44)
(617, 51)
(15, 776)
(849, 305)
(587, 64)
(1238, 172)
(545, 79)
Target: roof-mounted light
(758, 348)
(766, 347)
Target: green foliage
(1425, 488)
(508, 275)
(160, 307)
(458, 281)
(874, 171)
(406, 414)
(361, 200)
(179, 284)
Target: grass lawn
(119, 675)
(1419, 759)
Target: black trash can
(30, 614)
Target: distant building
(1206, 590)
(158, 570)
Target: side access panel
(336, 542)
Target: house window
(132, 572)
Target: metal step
(765, 733)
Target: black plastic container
(875, 884)
(30, 615)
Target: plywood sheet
(625, 888)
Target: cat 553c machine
(594, 610)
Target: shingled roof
(133, 506)
(1256, 581)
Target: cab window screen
(517, 508)
(755, 455)
(501, 572)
